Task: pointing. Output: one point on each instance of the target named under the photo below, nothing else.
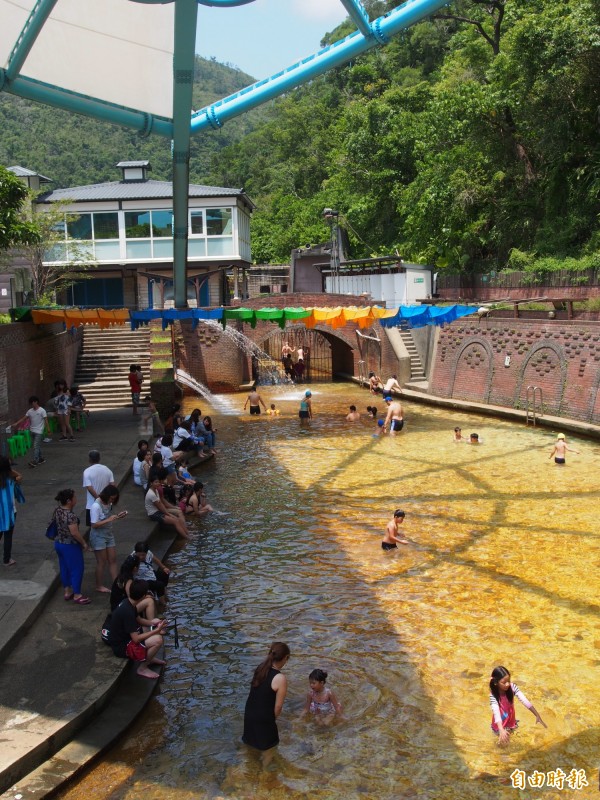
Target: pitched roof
(134, 164)
(134, 190)
(23, 172)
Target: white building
(126, 229)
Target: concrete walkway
(55, 672)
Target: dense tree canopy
(471, 135)
(15, 228)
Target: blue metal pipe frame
(39, 14)
(382, 29)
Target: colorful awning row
(414, 316)
(74, 317)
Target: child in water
(273, 411)
(321, 701)
(559, 451)
(391, 539)
(502, 701)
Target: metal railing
(563, 278)
(362, 373)
(531, 412)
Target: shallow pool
(501, 569)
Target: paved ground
(55, 672)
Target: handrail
(530, 404)
(362, 373)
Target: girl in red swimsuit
(502, 696)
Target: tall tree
(52, 263)
(15, 228)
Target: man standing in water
(391, 540)
(395, 418)
(255, 401)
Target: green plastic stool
(26, 433)
(13, 446)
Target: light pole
(331, 218)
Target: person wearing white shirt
(38, 425)
(95, 478)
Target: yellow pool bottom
(501, 569)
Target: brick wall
(562, 358)
(32, 357)
(214, 359)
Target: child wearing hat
(559, 451)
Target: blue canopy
(168, 315)
(419, 316)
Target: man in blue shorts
(394, 420)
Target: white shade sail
(115, 50)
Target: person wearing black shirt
(125, 637)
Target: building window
(219, 221)
(162, 224)
(137, 224)
(106, 226)
(79, 226)
(197, 223)
(265, 288)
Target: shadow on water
(408, 638)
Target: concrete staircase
(417, 373)
(103, 365)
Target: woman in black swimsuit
(265, 702)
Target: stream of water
(500, 570)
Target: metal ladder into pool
(531, 408)
(362, 374)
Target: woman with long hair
(70, 547)
(102, 539)
(265, 701)
(8, 514)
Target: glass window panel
(58, 252)
(137, 224)
(79, 226)
(221, 247)
(197, 222)
(82, 252)
(163, 248)
(196, 247)
(106, 226)
(107, 251)
(138, 249)
(162, 224)
(60, 228)
(218, 221)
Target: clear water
(501, 570)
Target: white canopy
(115, 50)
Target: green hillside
(471, 141)
(74, 150)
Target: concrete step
(418, 385)
(103, 365)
